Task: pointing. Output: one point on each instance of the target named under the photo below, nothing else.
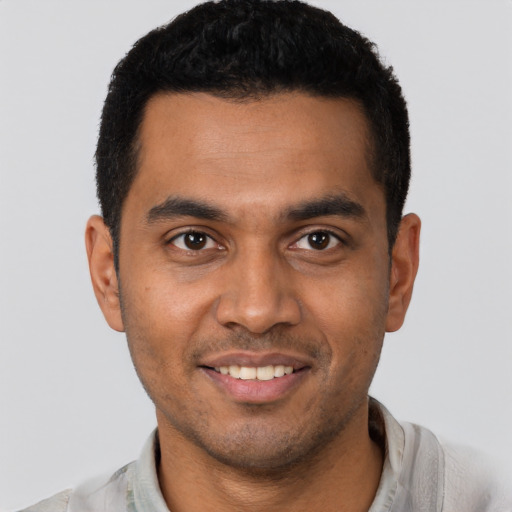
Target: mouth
(256, 378)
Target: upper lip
(255, 359)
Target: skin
(258, 288)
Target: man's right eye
(193, 241)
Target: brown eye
(193, 241)
(318, 241)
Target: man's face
(254, 242)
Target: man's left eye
(318, 241)
(193, 241)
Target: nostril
(257, 314)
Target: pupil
(319, 240)
(195, 240)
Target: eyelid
(333, 238)
(340, 236)
(209, 244)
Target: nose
(257, 293)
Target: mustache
(275, 340)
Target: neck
(342, 476)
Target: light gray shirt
(420, 474)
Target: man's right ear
(100, 254)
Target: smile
(256, 384)
(268, 372)
(256, 377)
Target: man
(252, 166)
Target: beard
(269, 449)
(260, 440)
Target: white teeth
(234, 371)
(278, 370)
(265, 373)
(247, 373)
(252, 373)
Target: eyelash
(192, 232)
(332, 236)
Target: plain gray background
(70, 403)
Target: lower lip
(256, 391)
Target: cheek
(349, 301)
(161, 317)
(350, 310)
(161, 304)
(155, 320)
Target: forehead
(268, 152)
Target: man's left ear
(404, 266)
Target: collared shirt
(420, 474)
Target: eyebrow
(333, 205)
(175, 206)
(338, 205)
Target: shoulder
(57, 503)
(135, 483)
(475, 481)
(92, 495)
(447, 476)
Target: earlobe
(404, 266)
(100, 254)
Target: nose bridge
(256, 293)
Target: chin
(261, 450)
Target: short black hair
(246, 50)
